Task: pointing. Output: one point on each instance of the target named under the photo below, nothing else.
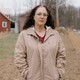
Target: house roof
(6, 11)
(6, 17)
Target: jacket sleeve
(61, 57)
(20, 56)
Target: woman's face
(40, 16)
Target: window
(4, 24)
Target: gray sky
(17, 5)
(76, 3)
(10, 3)
(20, 5)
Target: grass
(61, 30)
(7, 45)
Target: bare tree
(54, 6)
(57, 13)
(15, 16)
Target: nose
(42, 16)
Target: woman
(39, 51)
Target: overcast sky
(76, 3)
(11, 3)
(20, 5)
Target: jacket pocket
(29, 75)
(56, 74)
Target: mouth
(41, 20)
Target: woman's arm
(61, 57)
(20, 57)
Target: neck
(39, 28)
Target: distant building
(22, 19)
(6, 23)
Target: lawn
(7, 44)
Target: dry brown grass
(7, 69)
(71, 40)
(3, 34)
(75, 38)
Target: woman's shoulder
(27, 31)
(54, 31)
(23, 32)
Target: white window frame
(4, 24)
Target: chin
(41, 24)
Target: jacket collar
(49, 32)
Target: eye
(44, 14)
(39, 14)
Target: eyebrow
(42, 13)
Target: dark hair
(30, 19)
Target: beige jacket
(40, 61)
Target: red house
(4, 23)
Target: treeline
(69, 16)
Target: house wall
(4, 19)
(22, 21)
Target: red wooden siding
(4, 19)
